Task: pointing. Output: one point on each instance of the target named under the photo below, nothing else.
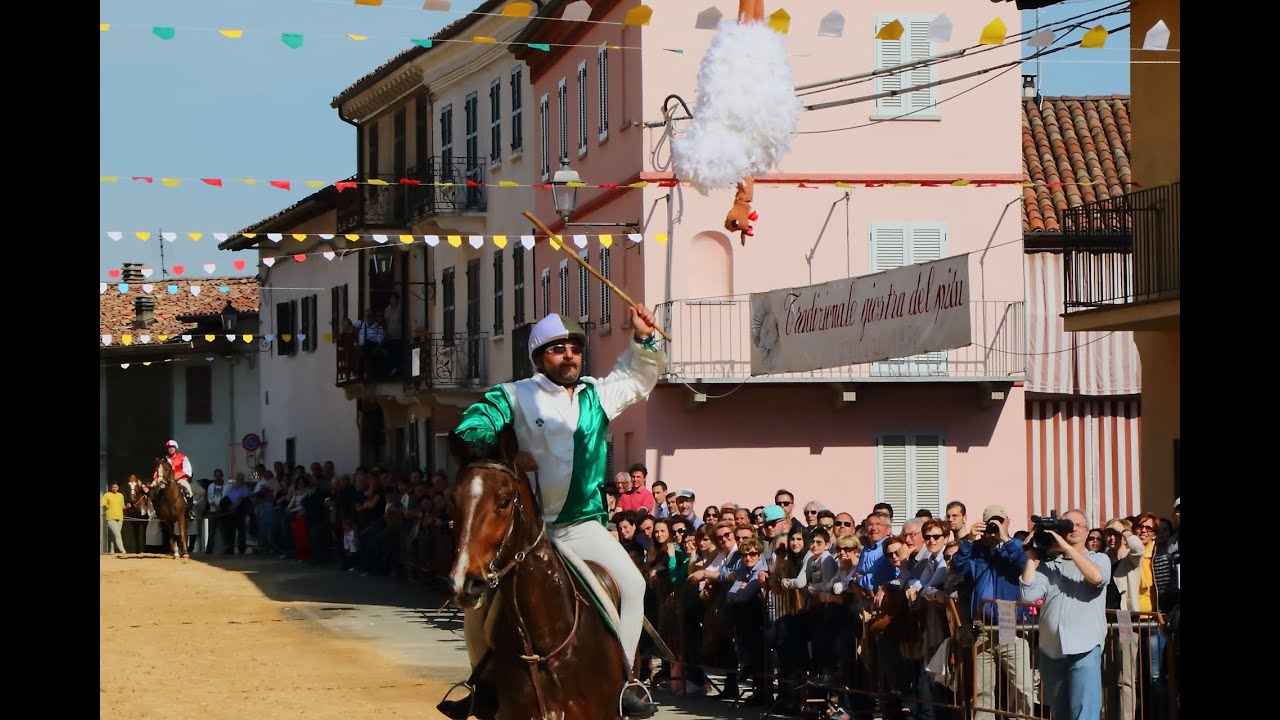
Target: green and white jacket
(566, 435)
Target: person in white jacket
(1126, 552)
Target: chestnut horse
(169, 505)
(550, 652)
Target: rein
(495, 578)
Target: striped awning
(1059, 362)
(1083, 453)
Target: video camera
(1041, 541)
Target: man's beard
(564, 374)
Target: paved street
(407, 620)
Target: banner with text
(892, 314)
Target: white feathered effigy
(745, 112)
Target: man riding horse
(181, 465)
(560, 419)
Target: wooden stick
(632, 303)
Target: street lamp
(1028, 86)
(564, 194)
(229, 317)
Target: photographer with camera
(990, 567)
(1073, 620)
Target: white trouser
(591, 541)
(117, 542)
(185, 485)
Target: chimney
(131, 273)
(144, 311)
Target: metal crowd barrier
(1138, 678)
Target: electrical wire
(1007, 67)
(971, 51)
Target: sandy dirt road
(242, 654)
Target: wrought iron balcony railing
(711, 342)
(455, 360)
(440, 187)
(1127, 249)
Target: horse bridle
(495, 577)
(495, 574)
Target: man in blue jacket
(991, 567)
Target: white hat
(172, 443)
(551, 328)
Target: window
(545, 130)
(446, 144)
(562, 107)
(517, 283)
(291, 452)
(546, 290)
(897, 244)
(373, 167)
(337, 309)
(606, 302)
(199, 394)
(584, 286)
(582, 108)
(286, 312)
(422, 143)
(449, 326)
(602, 61)
(400, 142)
(909, 472)
(495, 121)
(564, 287)
(471, 125)
(517, 109)
(498, 314)
(308, 327)
(913, 45)
(473, 297)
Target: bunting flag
(344, 185)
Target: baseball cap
(994, 511)
(773, 512)
(684, 492)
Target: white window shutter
(888, 54)
(916, 38)
(892, 474)
(888, 247)
(562, 108)
(927, 474)
(606, 301)
(545, 131)
(927, 243)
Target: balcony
(450, 361)
(354, 366)
(398, 205)
(1123, 251)
(711, 343)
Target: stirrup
(648, 697)
(449, 692)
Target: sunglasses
(810, 512)
(826, 526)
(744, 538)
(784, 503)
(680, 531)
(1148, 528)
(934, 536)
(562, 348)
(725, 536)
(751, 552)
(845, 523)
(847, 550)
(817, 541)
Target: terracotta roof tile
(116, 311)
(1076, 150)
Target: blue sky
(202, 105)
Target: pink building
(921, 176)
